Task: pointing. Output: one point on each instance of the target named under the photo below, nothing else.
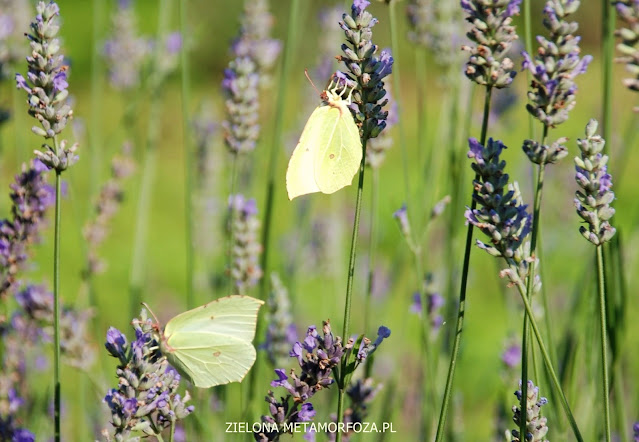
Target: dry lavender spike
(107, 206)
(628, 11)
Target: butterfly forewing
(300, 180)
(338, 160)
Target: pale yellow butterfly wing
(300, 179)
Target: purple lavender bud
(306, 413)
(116, 343)
(493, 36)
(555, 66)
(594, 199)
(416, 305)
(635, 430)
(23, 435)
(401, 215)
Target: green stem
(188, 161)
(56, 303)
(604, 343)
(231, 225)
(607, 48)
(172, 430)
(549, 366)
(530, 286)
(371, 253)
(398, 100)
(461, 308)
(422, 114)
(349, 286)
(276, 145)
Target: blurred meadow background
(423, 165)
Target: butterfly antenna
(146, 306)
(311, 81)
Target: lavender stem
(461, 308)
(56, 302)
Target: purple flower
(306, 413)
(22, 435)
(416, 305)
(173, 42)
(512, 356)
(60, 81)
(635, 430)
(245, 270)
(401, 215)
(359, 6)
(115, 343)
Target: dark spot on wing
(331, 156)
(217, 353)
(212, 317)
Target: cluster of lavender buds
(360, 393)
(245, 268)
(501, 214)
(628, 11)
(46, 86)
(125, 52)
(437, 26)
(377, 147)
(635, 431)
(536, 428)
(556, 65)
(401, 216)
(594, 198)
(167, 56)
(254, 40)
(36, 302)
(317, 356)
(365, 69)
(30, 196)
(109, 200)
(545, 154)
(146, 400)
(281, 333)
(493, 36)
(240, 86)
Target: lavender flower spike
(536, 428)
(281, 333)
(46, 86)
(556, 65)
(628, 11)
(493, 36)
(125, 52)
(31, 197)
(594, 198)
(245, 269)
(367, 69)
